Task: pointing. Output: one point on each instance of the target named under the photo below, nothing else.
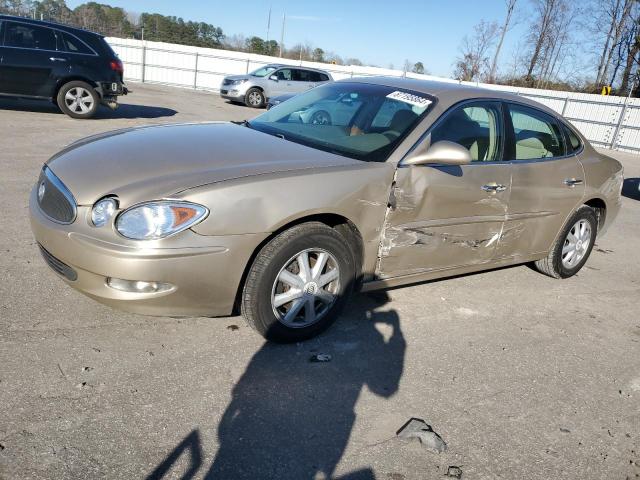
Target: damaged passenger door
(448, 216)
(547, 183)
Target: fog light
(103, 210)
(138, 286)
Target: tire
(321, 118)
(78, 100)
(254, 98)
(283, 318)
(561, 263)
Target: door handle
(57, 59)
(572, 182)
(493, 188)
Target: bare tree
(503, 31)
(473, 65)
(541, 29)
(616, 14)
(631, 44)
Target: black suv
(74, 68)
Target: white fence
(607, 121)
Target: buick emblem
(41, 191)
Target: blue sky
(378, 32)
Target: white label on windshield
(410, 98)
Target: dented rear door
(547, 185)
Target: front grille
(224, 92)
(60, 267)
(54, 198)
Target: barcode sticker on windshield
(410, 98)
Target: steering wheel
(391, 134)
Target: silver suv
(255, 88)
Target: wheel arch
(73, 78)
(600, 207)
(338, 222)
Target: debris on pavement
(233, 327)
(320, 357)
(418, 428)
(565, 430)
(454, 472)
(87, 369)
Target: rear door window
(74, 45)
(314, 77)
(537, 134)
(34, 37)
(300, 75)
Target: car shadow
(290, 415)
(631, 188)
(126, 111)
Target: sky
(378, 32)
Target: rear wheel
(572, 247)
(298, 283)
(78, 99)
(254, 98)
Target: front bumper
(205, 272)
(234, 92)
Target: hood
(149, 163)
(238, 77)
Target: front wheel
(299, 283)
(78, 99)
(572, 247)
(254, 98)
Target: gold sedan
(282, 218)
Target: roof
(452, 92)
(59, 26)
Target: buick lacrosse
(281, 218)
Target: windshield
(356, 120)
(263, 72)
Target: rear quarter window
(573, 141)
(74, 45)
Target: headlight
(102, 211)
(154, 220)
(238, 82)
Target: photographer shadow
(292, 418)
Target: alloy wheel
(255, 98)
(79, 100)
(306, 288)
(576, 244)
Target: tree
(317, 55)
(511, 4)
(418, 67)
(473, 64)
(632, 52)
(255, 45)
(545, 11)
(616, 13)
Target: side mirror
(274, 78)
(440, 153)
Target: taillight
(116, 66)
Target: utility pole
(284, 17)
(268, 24)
